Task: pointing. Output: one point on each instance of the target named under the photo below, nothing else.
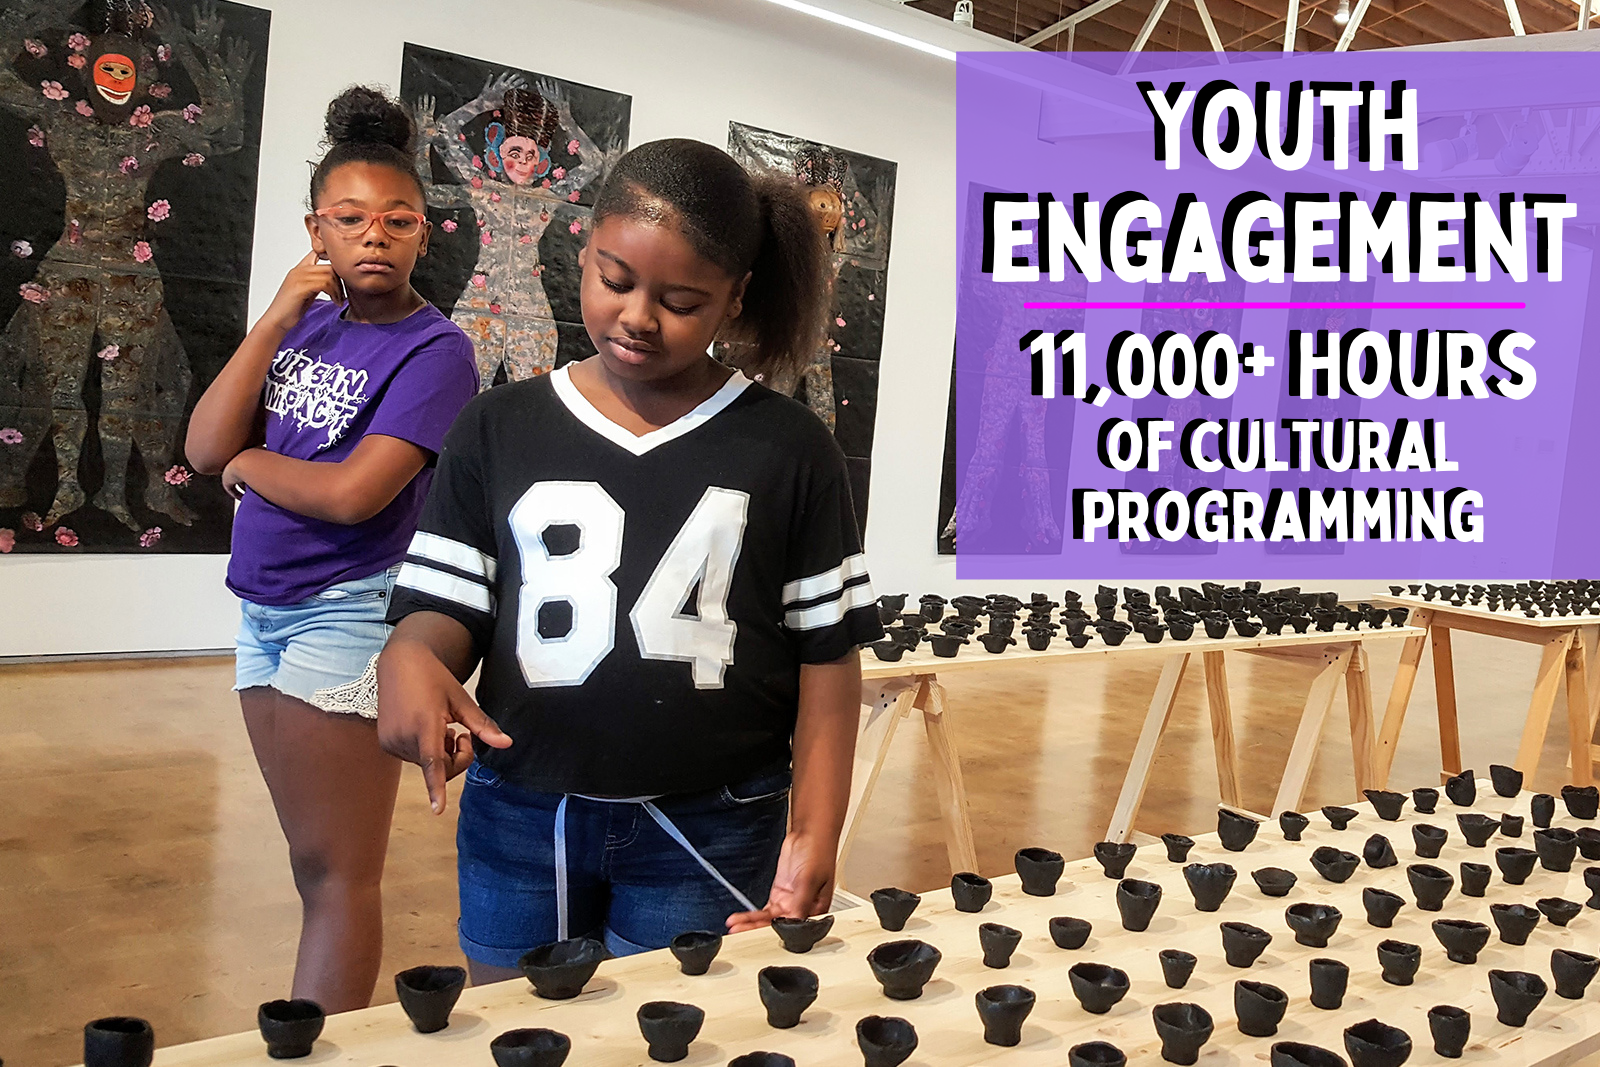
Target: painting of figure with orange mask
(515, 163)
(125, 107)
(852, 201)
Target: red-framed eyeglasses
(352, 222)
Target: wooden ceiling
(1259, 24)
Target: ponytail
(760, 224)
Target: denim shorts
(629, 884)
(323, 650)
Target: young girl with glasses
(656, 562)
(325, 425)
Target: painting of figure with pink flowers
(129, 133)
(513, 161)
(852, 197)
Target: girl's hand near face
(300, 287)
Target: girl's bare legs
(334, 790)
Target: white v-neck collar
(637, 444)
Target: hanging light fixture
(1341, 17)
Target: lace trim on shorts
(358, 697)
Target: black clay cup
(1176, 966)
(1515, 863)
(1210, 883)
(669, 1028)
(1425, 800)
(1507, 781)
(1137, 901)
(561, 969)
(1182, 1028)
(1096, 1054)
(1339, 817)
(1573, 971)
(1069, 933)
(1334, 864)
(894, 907)
(1312, 924)
(1273, 881)
(1329, 979)
(427, 995)
(1236, 831)
(1557, 847)
(802, 935)
(1514, 921)
(1243, 944)
(1588, 842)
(1591, 880)
(1429, 885)
(998, 943)
(1293, 824)
(1511, 826)
(1300, 1054)
(122, 1041)
(1002, 1009)
(1516, 994)
(1477, 829)
(1474, 878)
(1097, 986)
(1462, 939)
(1178, 847)
(1114, 857)
(1399, 960)
(1541, 809)
(1450, 1027)
(530, 1048)
(1386, 804)
(786, 993)
(1259, 1007)
(695, 950)
(1376, 1044)
(1428, 840)
(1040, 869)
(969, 891)
(885, 1041)
(1558, 910)
(1581, 800)
(903, 967)
(1462, 789)
(1381, 906)
(1378, 852)
(289, 1027)
(762, 1059)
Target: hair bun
(362, 115)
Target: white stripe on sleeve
(827, 582)
(446, 587)
(453, 553)
(821, 615)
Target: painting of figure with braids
(852, 196)
(130, 133)
(513, 161)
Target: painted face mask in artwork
(520, 159)
(115, 78)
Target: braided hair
(756, 223)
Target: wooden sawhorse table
(892, 691)
(1568, 657)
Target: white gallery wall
(691, 67)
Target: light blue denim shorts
(323, 650)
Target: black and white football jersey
(642, 605)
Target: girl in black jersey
(656, 563)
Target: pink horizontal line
(1275, 305)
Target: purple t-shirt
(332, 383)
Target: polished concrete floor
(142, 871)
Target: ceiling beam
(1291, 22)
(1144, 34)
(1211, 29)
(1351, 27)
(1515, 15)
(1071, 20)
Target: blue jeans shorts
(630, 885)
(323, 650)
